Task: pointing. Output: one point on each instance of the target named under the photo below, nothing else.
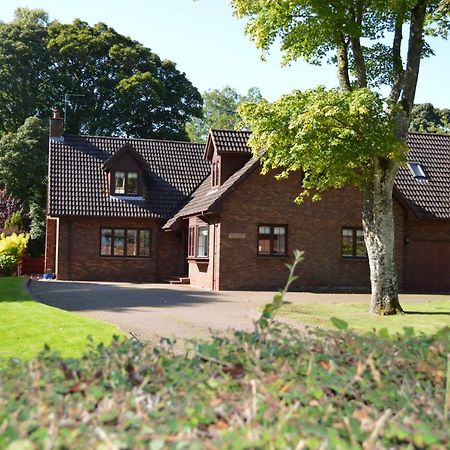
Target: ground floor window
(125, 242)
(353, 245)
(272, 240)
(198, 241)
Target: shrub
(11, 249)
(277, 390)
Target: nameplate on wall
(237, 235)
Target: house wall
(314, 228)
(50, 244)
(79, 252)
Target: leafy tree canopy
(23, 161)
(121, 87)
(220, 111)
(425, 118)
(331, 135)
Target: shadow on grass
(424, 313)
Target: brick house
(144, 210)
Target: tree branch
(415, 45)
(398, 72)
(357, 49)
(342, 65)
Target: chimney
(56, 128)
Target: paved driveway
(151, 310)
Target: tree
(115, 85)
(8, 206)
(220, 111)
(342, 125)
(425, 118)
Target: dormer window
(126, 183)
(215, 174)
(417, 170)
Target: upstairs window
(417, 170)
(126, 183)
(353, 245)
(272, 240)
(215, 174)
(198, 241)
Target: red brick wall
(312, 227)
(50, 245)
(79, 252)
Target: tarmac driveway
(151, 310)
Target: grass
(26, 325)
(425, 317)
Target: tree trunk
(378, 224)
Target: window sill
(198, 259)
(272, 256)
(124, 257)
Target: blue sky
(209, 45)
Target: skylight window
(417, 170)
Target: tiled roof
(205, 198)
(429, 197)
(78, 184)
(230, 141)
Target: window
(123, 242)
(202, 241)
(215, 174)
(126, 183)
(272, 240)
(198, 241)
(417, 170)
(353, 245)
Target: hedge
(274, 390)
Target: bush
(11, 249)
(276, 390)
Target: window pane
(144, 243)
(191, 241)
(120, 183)
(132, 183)
(279, 240)
(264, 230)
(132, 243)
(347, 242)
(202, 241)
(119, 242)
(264, 246)
(106, 241)
(360, 245)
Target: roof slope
(78, 184)
(430, 198)
(204, 198)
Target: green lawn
(426, 317)
(26, 325)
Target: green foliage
(11, 249)
(23, 161)
(333, 136)
(220, 111)
(311, 29)
(122, 87)
(425, 118)
(14, 221)
(320, 390)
